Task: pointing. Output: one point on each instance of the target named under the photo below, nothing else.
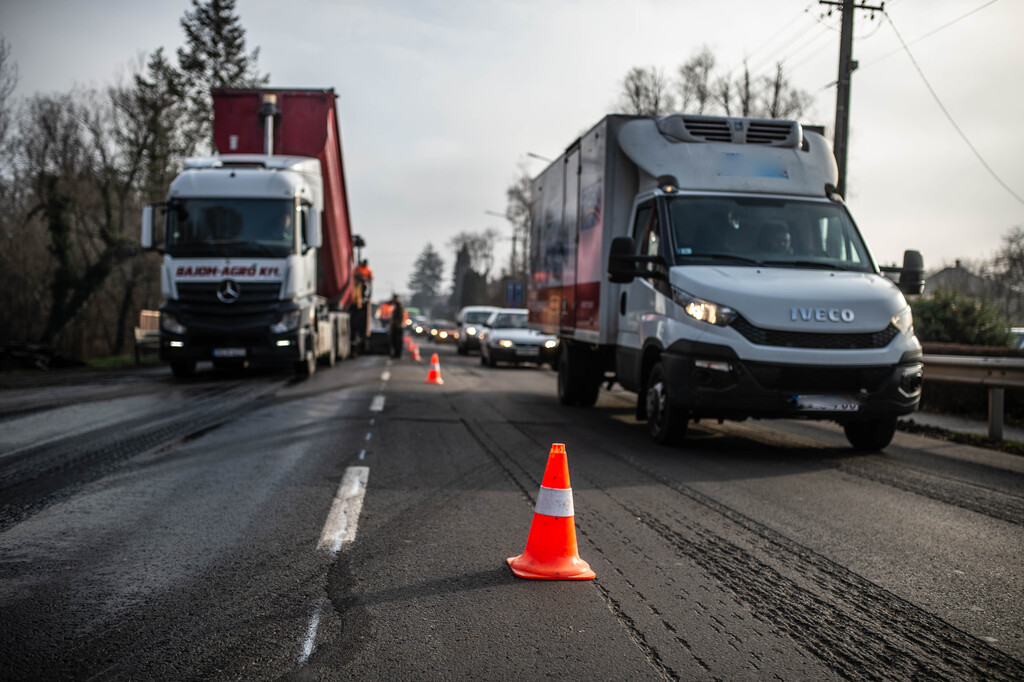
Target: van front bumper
(711, 381)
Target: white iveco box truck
(708, 264)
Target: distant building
(965, 282)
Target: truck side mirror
(147, 227)
(622, 261)
(912, 273)
(314, 234)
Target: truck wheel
(871, 436)
(307, 367)
(183, 369)
(666, 424)
(331, 359)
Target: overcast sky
(440, 101)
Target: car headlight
(470, 331)
(703, 311)
(506, 343)
(288, 322)
(904, 321)
(169, 323)
(551, 343)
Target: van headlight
(289, 322)
(904, 321)
(703, 311)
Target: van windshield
(765, 231)
(231, 227)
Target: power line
(948, 115)
(930, 33)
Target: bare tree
(645, 92)
(519, 197)
(479, 249)
(695, 87)
(780, 99)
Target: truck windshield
(231, 227)
(763, 231)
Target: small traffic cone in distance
(551, 552)
(416, 352)
(434, 376)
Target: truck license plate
(825, 403)
(229, 352)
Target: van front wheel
(665, 422)
(871, 436)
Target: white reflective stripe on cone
(554, 502)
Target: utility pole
(847, 65)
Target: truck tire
(183, 369)
(871, 436)
(666, 424)
(306, 368)
(579, 376)
(331, 359)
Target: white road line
(377, 404)
(314, 623)
(343, 519)
(369, 435)
(362, 454)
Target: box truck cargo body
(707, 264)
(258, 256)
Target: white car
(505, 338)
(470, 323)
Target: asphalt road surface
(356, 525)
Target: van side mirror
(912, 274)
(624, 263)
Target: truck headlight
(904, 321)
(169, 323)
(288, 322)
(703, 311)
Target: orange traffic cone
(408, 343)
(416, 352)
(551, 552)
(434, 377)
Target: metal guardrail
(996, 373)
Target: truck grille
(255, 299)
(787, 339)
(818, 379)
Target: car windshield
(231, 227)
(764, 231)
(478, 317)
(509, 321)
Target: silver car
(505, 338)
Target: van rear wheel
(665, 422)
(579, 376)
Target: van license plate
(229, 352)
(825, 403)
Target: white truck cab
(736, 283)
